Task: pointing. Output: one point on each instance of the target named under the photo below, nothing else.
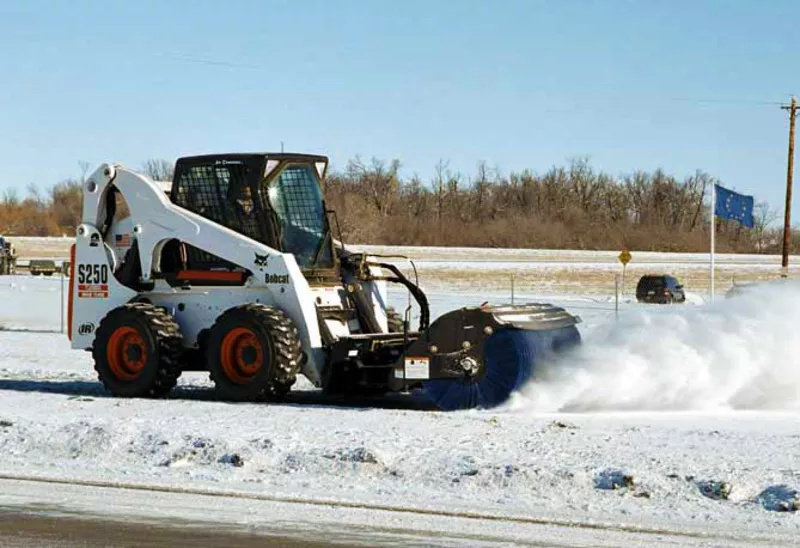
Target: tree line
(573, 206)
(567, 207)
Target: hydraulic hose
(419, 295)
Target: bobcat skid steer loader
(233, 269)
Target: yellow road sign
(624, 257)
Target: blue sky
(677, 84)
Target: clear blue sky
(527, 83)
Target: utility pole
(787, 222)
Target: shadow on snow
(301, 398)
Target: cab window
(296, 198)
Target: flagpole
(713, 233)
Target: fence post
(624, 267)
(62, 299)
(512, 288)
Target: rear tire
(394, 321)
(137, 350)
(254, 353)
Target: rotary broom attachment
(477, 357)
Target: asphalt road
(29, 529)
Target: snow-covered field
(532, 271)
(30, 246)
(670, 425)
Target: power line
(211, 62)
(723, 101)
(611, 95)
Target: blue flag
(734, 206)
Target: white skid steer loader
(233, 269)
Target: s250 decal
(92, 273)
(92, 281)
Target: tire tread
(286, 351)
(164, 330)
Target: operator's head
(245, 200)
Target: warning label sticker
(415, 369)
(93, 291)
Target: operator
(244, 203)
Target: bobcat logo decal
(261, 260)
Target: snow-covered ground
(33, 303)
(668, 420)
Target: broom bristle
(511, 359)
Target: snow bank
(29, 302)
(739, 353)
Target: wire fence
(597, 292)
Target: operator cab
(275, 199)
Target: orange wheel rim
(127, 353)
(242, 355)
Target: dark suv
(660, 289)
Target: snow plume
(738, 353)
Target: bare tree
(35, 195)
(158, 169)
(10, 197)
(763, 216)
(481, 188)
(439, 181)
(84, 167)
(381, 181)
(67, 203)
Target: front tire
(137, 350)
(254, 353)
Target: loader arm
(156, 220)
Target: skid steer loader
(234, 269)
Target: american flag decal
(122, 240)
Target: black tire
(394, 320)
(146, 330)
(254, 353)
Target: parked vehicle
(660, 289)
(8, 257)
(42, 267)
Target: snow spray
(738, 353)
